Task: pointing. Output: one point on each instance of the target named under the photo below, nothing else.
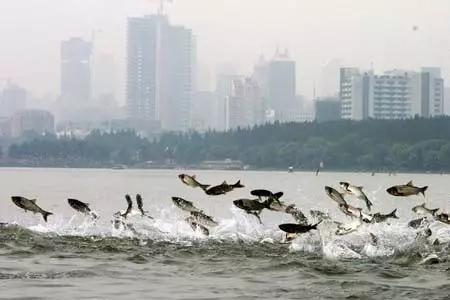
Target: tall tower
(160, 72)
(281, 82)
(76, 72)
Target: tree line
(371, 145)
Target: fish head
(344, 185)
(329, 190)
(239, 203)
(176, 200)
(73, 202)
(182, 176)
(17, 200)
(393, 191)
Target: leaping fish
(423, 210)
(30, 205)
(192, 181)
(129, 208)
(223, 188)
(252, 206)
(335, 195)
(184, 204)
(81, 207)
(298, 228)
(406, 190)
(140, 205)
(196, 226)
(357, 192)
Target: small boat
(291, 169)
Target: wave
(369, 241)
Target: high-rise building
(76, 72)
(329, 78)
(432, 92)
(395, 94)
(160, 72)
(244, 106)
(12, 99)
(327, 109)
(281, 88)
(224, 89)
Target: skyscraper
(244, 106)
(76, 72)
(281, 88)
(160, 72)
(12, 99)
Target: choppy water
(72, 257)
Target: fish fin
(410, 183)
(45, 215)
(33, 200)
(360, 187)
(393, 214)
(193, 176)
(224, 182)
(422, 190)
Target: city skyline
(351, 34)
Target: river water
(73, 257)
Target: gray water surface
(73, 257)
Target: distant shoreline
(196, 168)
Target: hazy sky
(357, 32)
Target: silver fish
(81, 207)
(192, 181)
(423, 210)
(30, 205)
(357, 192)
(184, 204)
(203, 219)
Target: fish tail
(238, 184)
(317, 224)
(204, 186)
(393, 214)
(422, 190)
(45, 215)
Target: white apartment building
(395, 94)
